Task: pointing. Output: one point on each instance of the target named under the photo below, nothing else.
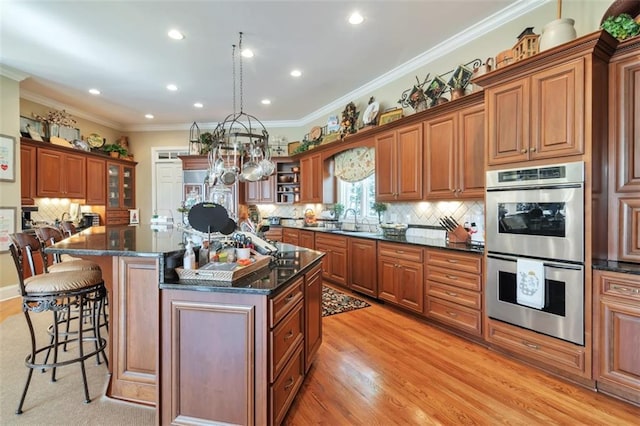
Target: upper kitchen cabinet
(27, 173)
(260, 191)
(454, 154)
(399, 164)
(120, 192)
(60, 174)
(624, 153)
(96, 182)
(311, 178)
(547, 107)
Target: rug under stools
(336, 302)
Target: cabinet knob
(533, 149)
(524, 151)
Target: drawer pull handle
(452, 261)
(625, 289)
(530, 345)
(400, 251)
(289, 335)
(289, 297)
(452, 314)
(452, 277)
(450, 293)
(289, 383)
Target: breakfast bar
(199, 350)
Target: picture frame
(389, 116)
(195, 188)
(436, 88)
(27, 124)
(134, 216)
(331, 137)
(7, 227)
(292, 146)
(7, 158)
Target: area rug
(336, 302)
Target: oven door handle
(533, 187)
(545, 263)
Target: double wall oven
(537, 214)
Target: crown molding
(12, 73)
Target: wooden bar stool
(58, 293)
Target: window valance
(355, 164)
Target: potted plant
(115, 150)
(338, 208)
(379, 208)
(622, 26)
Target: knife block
(459, 236)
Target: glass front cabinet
(120, 192)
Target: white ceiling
(121, 47)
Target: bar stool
(58, 292)
(67, 228)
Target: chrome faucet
(62, 217)
(355, 217)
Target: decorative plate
(315, 133)
(95, 141)
(370, 114)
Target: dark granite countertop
(614, 266)
(413, 240)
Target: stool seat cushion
(68, 258)
(74, 265)
(62, 281)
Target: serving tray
(224, 271)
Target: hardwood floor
(379, 366)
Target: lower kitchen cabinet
(274, 234)
(334, 263)
(291, 236)
(454, 289)
(617, 334)
(312, 315)
(363, 273)
(400, 275)
(306, 239)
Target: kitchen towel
(530, 283)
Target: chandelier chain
(233, 62)
(241, 83)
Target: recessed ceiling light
(149, 116)
(175, 34)
(94, 91)
(198, 105)
(247, 53)
(266, 102)
(356, 18)
(172, 87)
(296, 73)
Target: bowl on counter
(285, 179)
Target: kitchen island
(204, 351)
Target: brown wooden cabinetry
(363, 274)
(617, 325)
(454, 289)
(311, 179)
(540, 116)
(312, 315)
(401, 275)
(334, 263)
(96, 181)
(291, 236)
(306, 239)
(60, 174)
(261, 191)
(624, 153)
(28, 174)
(399, 164)
(287, 182)
(274, 234)
(120, 192)
(454, 154)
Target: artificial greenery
(379, 208)
(622, 26)
(338, 208)
(113, 147)
(206, 142)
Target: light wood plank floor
(377, 366)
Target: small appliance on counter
(89, 219)
(26, 216)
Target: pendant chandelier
(240, 149)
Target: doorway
(167, 181)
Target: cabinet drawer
(284, 339)
(284, 390)
(459, 261)
(284, 302)
(454, 278)
(400, 251)
(460, 296)
(334, 241)
(274, 234)
(620, 285)
(554, 352)
(465, 319)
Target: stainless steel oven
(563, 313)
(537, 212)
(536, 215)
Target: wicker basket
(215, 271)
(394, 230)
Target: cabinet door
(470, 156)
(508, 121)
(291, 236)
(440, 139)
(386, 163)
(252, 192)
(311, 179)
(313, 315)
(75, 168)
(410, 286)
(260, 191)
(113, 188)
(362, 268)
(27, 174)
(50, 179)
(128, 200)
(557, 111)
(387, 279)
(409, 149)
(96, 181)
(338, 265)
(307, 239)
